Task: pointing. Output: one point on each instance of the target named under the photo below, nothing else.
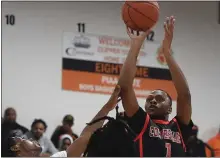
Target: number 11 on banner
(81, 27)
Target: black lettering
(150, 36)
(10, 19)
(81, 27)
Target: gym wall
(32, 57)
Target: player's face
(158, 103)
(26, 148)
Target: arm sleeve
(136, 122)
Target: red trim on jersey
(140, 136)
(141, 147)
(181, 136)
(161, 122)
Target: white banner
(109, 49)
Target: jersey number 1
(168, 147)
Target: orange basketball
(140, 15)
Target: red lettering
(168, 147)
(156, 132)
(165, 134)
(177, 138)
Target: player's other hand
(168, 36)
(114, 99)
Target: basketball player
(28, 148)
(157, 137)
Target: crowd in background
(63, 136)
(60, 140)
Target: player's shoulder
(177, 120)
(139, 113)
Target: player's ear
(169, 110)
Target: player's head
(10, 115)
(25, 148)
(38, 128)
(158, 104)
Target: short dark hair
(39, 121)
(68, 119)
(122, 145)
(167, 95)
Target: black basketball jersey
(158, 138)
(161, 139)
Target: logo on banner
(81, 42)
(78, 43)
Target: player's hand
(168, 36)
(137, 36)
(114, 99)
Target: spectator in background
(38, 129)
(65, 141)
(196, 147)
(30, 148)
(214, 142)
(10, 128)
(66, 128)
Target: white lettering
(165, 134)
(109, 80)
(86, 87)
(104, 89)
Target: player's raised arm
(128, 73)
(184, 109)
(110, 105)
(79, 146)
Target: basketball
(140, 15)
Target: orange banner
(104, 84)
